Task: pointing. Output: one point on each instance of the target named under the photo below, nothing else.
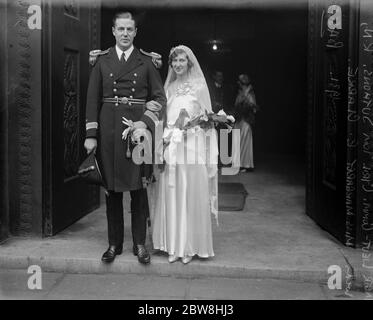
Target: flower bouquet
(206, 120)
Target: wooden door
(71, 30)
(327, 114)
(364, 199)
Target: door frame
(4, 166)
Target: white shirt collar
(126, 52)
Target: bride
(186, 193)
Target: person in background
(222, 97)
(217, 91)
(245, 108)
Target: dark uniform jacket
(138, 79)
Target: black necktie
(123, 58)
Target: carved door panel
(73, 31)
(327, 69)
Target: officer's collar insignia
(96, 53)
(156, 58)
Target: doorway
(271, 47)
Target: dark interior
(268, 45)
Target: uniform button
(116, 97)
(131, 97)
(114, 82)
(135, 74)
(133, 89)
(129, 103)
(115, 90)
(116, 104)
(111, 75)
(134, 81)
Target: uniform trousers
(139, 215)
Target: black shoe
(110, 253)
(142, 254)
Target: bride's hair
(174, 53)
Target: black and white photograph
(186, 155)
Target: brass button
(111, 75)
(115, 90)
(135, 74)
(134, 81)
(131, 97)
(114, 82)
(129, 103)
(116, 97)
(133, 89)
(116, 104)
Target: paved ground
(57, 286)
(271, 239)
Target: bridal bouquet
(205, 121)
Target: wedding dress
(186, 191)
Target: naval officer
(124, 82)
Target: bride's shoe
(172, 258)
(186, 259)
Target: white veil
(196, 78)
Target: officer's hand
(90, 144)
(153, 105)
